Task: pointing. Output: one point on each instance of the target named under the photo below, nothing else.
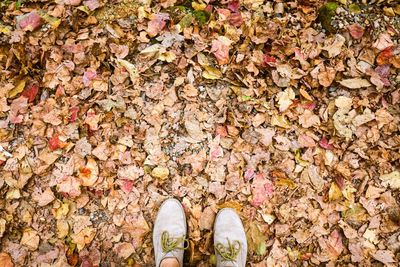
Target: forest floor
(287, 111)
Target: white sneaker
(169, 233)
(229, 239)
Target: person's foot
(169, 233)
(229, 239)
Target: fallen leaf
(285, 99)
(157, 23)
(220, 49)
(262, 189)
(30, 21)
(90, 173)
(5, 260)
(356, 31)
(30, 239)
(160, 173)
(391, 180)
(124, 249)
(70, 186)
(131, 68)
(355, 83)
(384, 256)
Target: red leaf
(235, 19)
(324, 144)
(126, 185)
(55, 143)
(385, 56)
(268, 60)
(221, 130)
(261, 189)
(74, 114)
(356, 31)
(310, 105)
(234, 5)
(60, 91)
(31, 92)
(30, 21)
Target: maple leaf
(56, 143)
(31, 92)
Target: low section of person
(169, 237)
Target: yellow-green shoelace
(230, 252)
(169, 244)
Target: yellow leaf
(348, 192)
(132, 70)
(160, 173)
(167, 56)
(211, 73)
(198, 6)
(280, 121)
(53, 21)
(19, 87)
(5, 29)
(202, 59)
(231, 204)
(334, 192)
(285, 182)
(62, 228)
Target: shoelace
(230, 252)
(169, 244)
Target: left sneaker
(169, 232)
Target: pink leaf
(157, 23)
(309, 105)
(306, 141)
(248, 174)
(235, 19)
(126, 185)
(234, 5)
(220, 49)
(17, 106)
(262, 189)
(215, 149)
(325, 144)
(74, 114)
(88, 76)
(356, 31)
(221, 131)
(335, 244)
(92, 4)
(30, 21)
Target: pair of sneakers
(169, 235)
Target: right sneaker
(229, 239)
